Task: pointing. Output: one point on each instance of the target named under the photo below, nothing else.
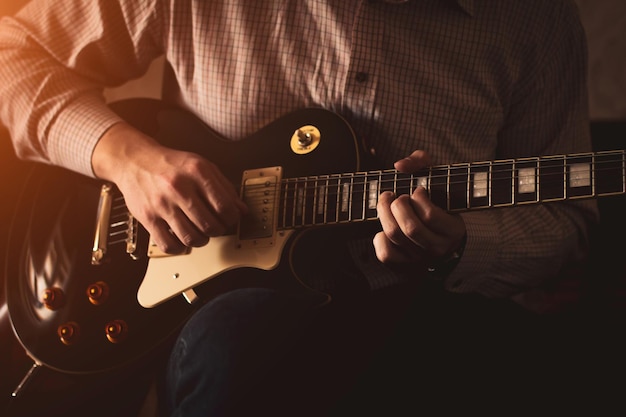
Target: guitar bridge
(113, 220)
(260, 190)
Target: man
(421, 82)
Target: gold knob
(53, 298)
(98, 292)
(68, 333)
(116, 331)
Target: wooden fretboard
(350, 197)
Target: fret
(372, 194)
(623, 166)
(291, 204)
(300, 196)
(578, 176)
(326, 202)
(395, 183)
(345, 197)
(513, 183)
(288, 206)
(373, 191)
(333, 200)
(468, 183)
(610, 169)
(365, 202)
(359, 195)
(296, 214)
(326, 197)
(551, 178)
(310, 200)
(479, 185)
(458, 186)
(448, 188)
(351, 197)
(438, 180)
(565, 179)
(312, 203)
(403, 183)
(490, 181)
(281, 206)
(386, 182)
(526, 189)
(321, 213)
(503, 183)
(285, 205)
(299, 203)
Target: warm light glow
(3, 309)
(8, 7)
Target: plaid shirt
(466, 81)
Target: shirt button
(362, 76)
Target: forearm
(517, 249)
(52, 73)
(122, 148)
(45, 107)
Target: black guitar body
(77, 317)
(51, 240)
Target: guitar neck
(351, 197)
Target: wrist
(118, 148)
(444, 266)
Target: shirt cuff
(76, 131)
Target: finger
(417, 160)
(424, 208)
(446, 229)
(409, 222)
(387, 252)
(162, 236)
(417, 229)
(394, 233)
(186, 231)
(387, 219)
(203, 219)
(222, 198)
(433, 217)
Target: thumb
(417, 160)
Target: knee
(236, 333)
(240, 322)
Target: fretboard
(350, 197)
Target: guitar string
(546, 178)
(383, 178)
(451, 171)
(458, 171)
(462, 169)
(304, 214)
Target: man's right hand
(181, 198)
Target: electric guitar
(87, 291)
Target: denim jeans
(225, 358)
(263, 352)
